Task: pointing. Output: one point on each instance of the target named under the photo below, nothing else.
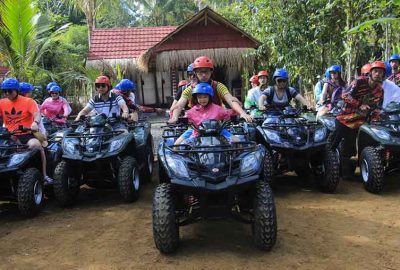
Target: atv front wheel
(66, 186)
(148, 158)
(268, 169)
(372, 170)
(128, 179)
(165, 226)
(264, 226)
(328, 180)
(30, 192)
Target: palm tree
(24, 38)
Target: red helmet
(262, 73)
(182, 83)
(366, 69)
(254, 79)
(378, 64)
(103, 79)
(203, 62)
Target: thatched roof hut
(163, 57)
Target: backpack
(336, 94)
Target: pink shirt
(51, 108)
(198, 113)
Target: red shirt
(17, 112)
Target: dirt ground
(351, 229)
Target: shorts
(25, 138)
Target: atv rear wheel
(147, 171)
(372, 170)
(268, 169)
(66, 186)
(30, 192)
(165, 226)
(264, 226)
(128, 179)
(328, 180)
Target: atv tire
(329, 179)
(66, 187)
(147, 171)
(129, 179)
(30, 192)
(165, 226)
(372, 170)
(162, 174)
(264, 226)
(268, 169)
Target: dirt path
(348, 230)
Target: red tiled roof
(3, 72)
(119, 43)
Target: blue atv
(98, 156)
(211, 178)
(20, 173)
(294, 143)
(378, 147)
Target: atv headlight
(320, 134)
(58, 136)
(177, 167)
(273, 136)
(250, 163)
(116, 145)
(69, 145)
(382, 134)
(16, 159)
(329, 123)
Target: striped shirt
(360, 93)
(395, 78)
(112, 105)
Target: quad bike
(295, 144)
(378, 147)
(20, 173)
(211, 178)
(96, 155)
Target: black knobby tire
(372, 169)
(265, 223)
(148, 158)
(66, 186)
(268, 169)
(30, 192)
(128, 179)
(162, 174)
(165, 226)
(329, 179)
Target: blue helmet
(203, 88)
(127, 85)
(49, 85)
(394, 57)
(190, 68)
(327, 74)
(55, 88)
(10, 83)
(388, 69)
(118, 86)
(25, 87)
(335, 68)
(281, 72)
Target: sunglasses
(101, 85)
(281, 80)
(54, 93)
(8, 91)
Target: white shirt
(254, 95)
(391, 92)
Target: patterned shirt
(360, 93)
(395, 77)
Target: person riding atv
(212, 177)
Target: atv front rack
(234, 147)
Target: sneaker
(48, 180)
